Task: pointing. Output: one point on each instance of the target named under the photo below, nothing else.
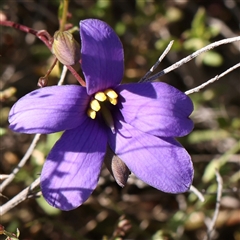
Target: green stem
(64, 15)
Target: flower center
(101, 103)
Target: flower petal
(101, 55)
(71, 171)
(156, 108)
(161, 162)
(49, 109)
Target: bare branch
(21, 163)
(3, 177)
(192, 56)
(197, 193)
(144, 78)
(211, 223)
(197, 89)
(224, 29)
(20, 197)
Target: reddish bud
(65, 48)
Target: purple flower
(137, 121)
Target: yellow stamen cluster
(95, 104)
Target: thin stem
(18, 26)
(197, 193)
(197, 89)
(44, 36)
(192, 56)
(39, 34)
(63, 75)
(42, 82)
(217, 208)
(64, 15)
(75, 74)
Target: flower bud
(42, 81)
(65, 48)
(116, 167)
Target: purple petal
(101, 55)
(156, 108)
(161, 162)
(49, 109)
(71, 171)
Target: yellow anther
(110, 93)
(100, 96)
(113, 101)
(94, 105)
(91, 113)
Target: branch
(18, 26)
(211, 224)
(43, 35)
(197, 193)
(20, 197)
(144, 78)
(197, 89)
(192, 56)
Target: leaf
(194, 44)
(198, 23)
(174, 14)
(2, 131)
(217, 163)
(213, 59)
(17, 232)
(207, 135)
(60, 10)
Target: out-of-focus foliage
(199, 36)
(145, 29)
(10, 236)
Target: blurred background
(137, 211)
